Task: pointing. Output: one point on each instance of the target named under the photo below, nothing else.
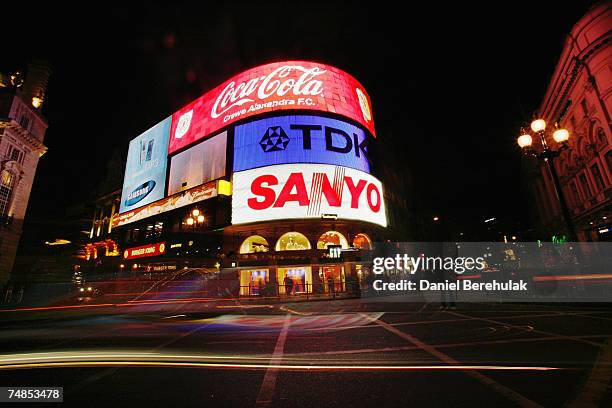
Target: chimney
(35, 85)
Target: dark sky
(450, 85)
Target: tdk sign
(139, 193)
(300, 139)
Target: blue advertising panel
(145, 170)
(300, 139)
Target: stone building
(22, 132)
(579, 98)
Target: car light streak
(571, 277)
(144, 359)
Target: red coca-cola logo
(291, 85)
(277, 83)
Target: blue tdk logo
(274, 140)
(336, 140)
(139, 193)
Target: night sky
(450, 86)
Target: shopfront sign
(194, 195)
(290, 191)
(145, 251)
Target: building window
(16, 154)
(600, 137)
(253, 244)
(585, 108)
(24, 121)
(362, 241)
(292, 241)
(332, 238)
(301, 280)
(609, 161)
(585, 186)
(253, 281)
(6, 189)
(597, 177)
(575, 193)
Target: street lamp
(561, 136)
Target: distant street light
(561, 136)
(436, 218)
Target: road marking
(596, 386)
(111, 371)
(501, 389)
(438, 346)
(484, 319)
(266, 391)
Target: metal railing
(308, 290)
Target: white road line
(501, 389)
(266, 391)
(439, 346)
(484, 319)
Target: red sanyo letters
(295, 190)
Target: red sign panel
(272, 87)
(145, 250)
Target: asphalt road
(316, 354)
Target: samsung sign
(139, 193)
(290, 191)
(300, 139)
(145, 171)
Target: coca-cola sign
(296, 85)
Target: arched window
(332, 238)
(362, 241)
(7, 181)
(292, 241)
(600, 137)
(253, 244)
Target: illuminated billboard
(145, 170)
(290, 191)
(198, 164)
(300, 139)
(272, 87)
(145, 250)
(196, 194)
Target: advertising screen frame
(144, 179)
(316, 191)
(300, 138)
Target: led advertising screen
(288, 191)
(145, 170)
(300, 139)
(196, 194)
(198, 164)
(272, 87)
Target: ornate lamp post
(547, 154)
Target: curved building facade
(579, 98)
(268, 179)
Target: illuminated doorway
(300, 280)
(333, 278)
(253, 281)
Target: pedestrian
(330, 284)
(288, 284)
